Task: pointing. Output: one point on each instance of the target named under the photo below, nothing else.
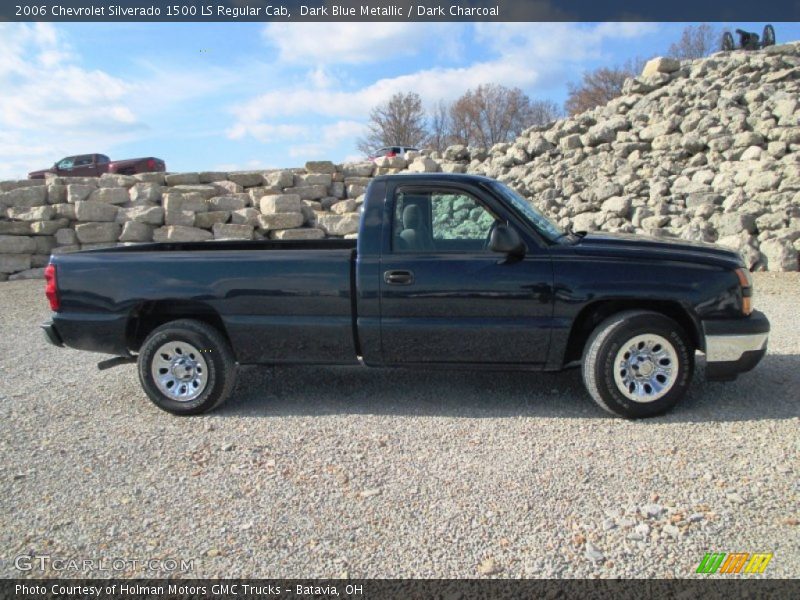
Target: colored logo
(737, 562)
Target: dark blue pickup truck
(451, 271)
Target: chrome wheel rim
(646, 368)
(179, 371)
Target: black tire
(606, 384)
(768, 39)
(727, 42)
(218, 374)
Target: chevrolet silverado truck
(448, 271)
(94, 165)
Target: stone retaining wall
(66, 214)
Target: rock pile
(702, 150)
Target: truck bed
(279, 301)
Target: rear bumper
(95, 332)
(51, 334)
(734, 346)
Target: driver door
(446, 298)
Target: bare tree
(696, 41)
(441, 128)
(400, 121)
(543, 112)
(494, 113)
(600, 86)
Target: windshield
(542, 224)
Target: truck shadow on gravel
(768, 392)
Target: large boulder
(281, 203)
(206, 220)
(339, 225)
(17, 244)
(247, 178)
(233, 232)
(94, 233)
(87, 211)
(149, 215)
(287, 220)
(660, 64)
(144, 192)
(35, 213)
(320, 166)
(133, 231)
(182, 178)
(25, 197)
(229, 202)
(178, 233)
(779, 255)
(13, 263)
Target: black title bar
(399, 10)
(369, 589)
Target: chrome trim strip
(726, 348)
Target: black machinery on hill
(749, 40)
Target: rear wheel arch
(595, 313)
(148, 316)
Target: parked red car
(391, 152)
(94, 165)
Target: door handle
(398, 277)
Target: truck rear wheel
(638, 364)
(186, 367)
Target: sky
(238, 96)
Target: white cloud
(355, 43)
(520, 55)
(554, 42)
(268, 132)
(303, 141)
(50, 106)
(431, 84)
(323, 143)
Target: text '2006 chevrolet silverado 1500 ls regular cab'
(448, 271)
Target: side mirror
(506, 240)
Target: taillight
(151, 164)
(746, 283)
(51, 287)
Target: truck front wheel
(638, 364)
(186, 367)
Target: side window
(82, 161)
(65, 163)
(439, 222)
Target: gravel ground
(323, 472)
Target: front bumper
(734, 346)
